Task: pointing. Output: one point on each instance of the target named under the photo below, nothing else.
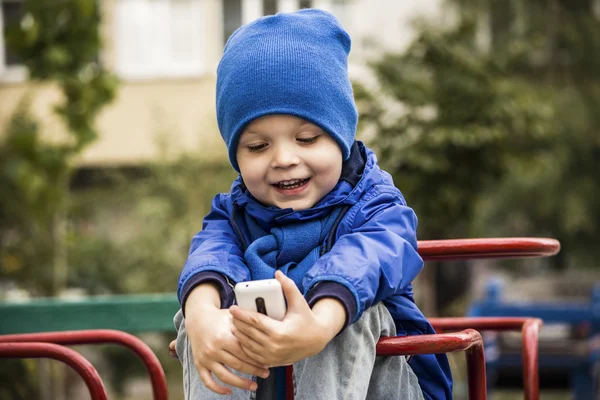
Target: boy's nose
(284, 157)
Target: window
(341, 9)
(11, 68)
(305, 4)
(159, 38)
(232, 17)
(269, 7)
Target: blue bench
(575, 354)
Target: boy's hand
(301, 334)
(172, 349)
(214, 346)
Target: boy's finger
(290, 291)
(237, 350)
(241, 365)
(172, 350)
(247, 344)
(257, 320)
(210, 382)
(229, 378)
(251, 353)
(253, 333)
(241, 354)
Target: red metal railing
(57, 352)
(496, 248)
(529, 327)
(468, 340)
(101, 336)
(471, 249)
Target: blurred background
(486, 113)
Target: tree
(449, 118)
(59, 42)
(490, 127)
(556, 193)
(506, 101)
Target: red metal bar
(480, 323)
(488, 248)
(102, 336)
(530, 328)
(68, 356)
(289, 382)
(462, 249)
(531, 376)
(476, 377)
(428, 344)
(468, 340)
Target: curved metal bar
(476, 377)
(479, 323)
(427, 344)
(468, 340)
(103, 336)
(64, 354)
(531, 376)
(530, 328)
(498, 248)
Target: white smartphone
(264, 296)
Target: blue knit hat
(289, 63)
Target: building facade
(165, 53)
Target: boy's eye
(256, 147)
(308, 140)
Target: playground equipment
(529, 327)
(154, 313)
(575, 356)
(17, 344)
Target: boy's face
(288, 162)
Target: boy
(312, 208)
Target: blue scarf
(291, 248)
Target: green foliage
(31, 192)
(142, 226)
(490, 127)
(448, 118)
(59, 42)
(17, 380)
(557, 192)
(132, 235)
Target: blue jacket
(374, 256)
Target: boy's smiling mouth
(292, 186)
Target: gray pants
(346, 369)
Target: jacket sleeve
(215, 255)
(378, 256)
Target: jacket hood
(342, 194)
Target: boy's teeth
(292, 184)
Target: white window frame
(253, 9)
(287, 5)
(9, 73)
(167, 69)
